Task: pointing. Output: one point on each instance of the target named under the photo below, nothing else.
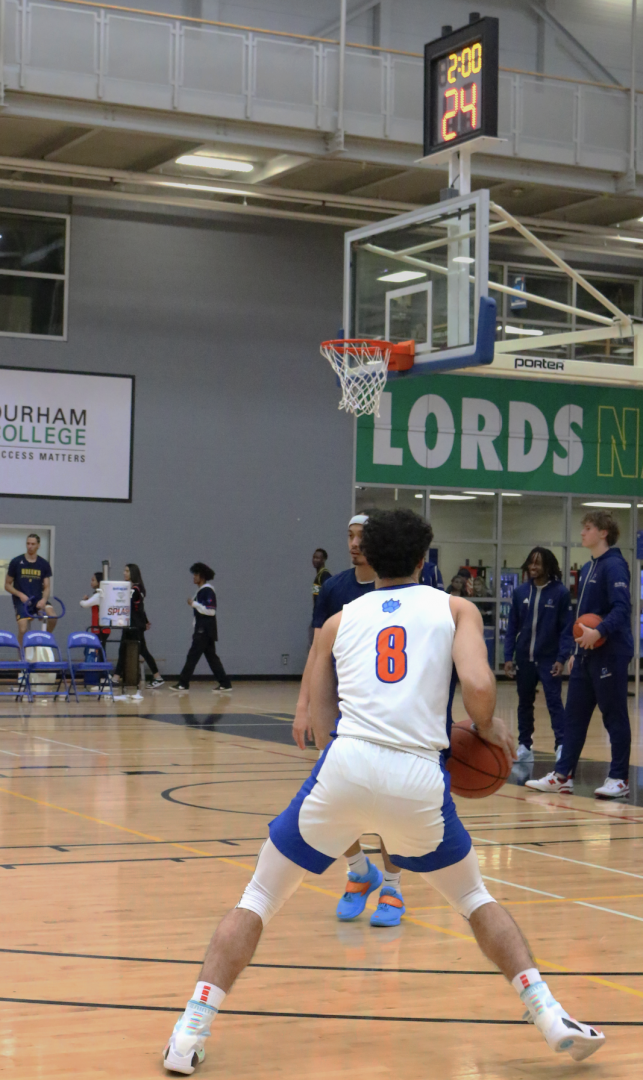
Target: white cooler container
(114, 606)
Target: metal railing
(128, 56)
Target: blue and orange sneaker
(390, 908)
(358, 890)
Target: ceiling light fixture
(609, 505)
(630, 239)
(463, 259)
(403, 275)
(419, 496)
(454, 498)
(206, 187)
(511, 494)
(523, 331)
(205, 161)
(479, 493)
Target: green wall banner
(467, 431)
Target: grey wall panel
(75, 34)
(213, 61)
(241, 456)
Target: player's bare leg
(502, 942)
(231, 949)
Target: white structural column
(633, 98)
(341, 74)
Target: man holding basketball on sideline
(389, 655)
(599, 674)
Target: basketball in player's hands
(589, 621)
(477, 767)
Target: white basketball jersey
(393, 658)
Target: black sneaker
(155, 683)
(222, 690)
(179, 686)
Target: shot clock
(461, 86)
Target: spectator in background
(322, 575)
(479, 590)
(92, 602)
(138, 625)
(539, 632)
(28, 580)
(204, 606)
(598, 674)
(460, 583)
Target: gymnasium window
(34, 252)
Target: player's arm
(46, 589)
(476, 677)
(10, 588)
(301, 726)
(323, 684)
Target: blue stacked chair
(19, 666)
(103, 668)
(41, 639)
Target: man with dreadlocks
(540, 633)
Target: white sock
(358, 864)
(392, 881)
(526, 978)
(207, 994)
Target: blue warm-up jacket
(604, 589)
(540, 623)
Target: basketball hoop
(362, 366)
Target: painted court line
(57, 742)
(561, 858)
(556, 896)
(313, 888)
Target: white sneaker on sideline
(185, 1049)
(525, 754)
(552, 783)
(564, 1034)
(612, 789)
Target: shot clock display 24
(461, 86)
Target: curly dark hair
(203, 570)
(549, 561)
(394, 542)
(602, 519)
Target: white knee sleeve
(275, 880)
(462, 885)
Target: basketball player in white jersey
(383, 772)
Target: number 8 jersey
(393, 658)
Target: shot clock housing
(461, 86)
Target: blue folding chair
(103, 668)
(35, 639)
(17, 667)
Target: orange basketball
(590, 620)
(477, 767)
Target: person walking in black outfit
(138, 625)
(204, 606)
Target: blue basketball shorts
(361, 787)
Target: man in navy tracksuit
(539, 631)
(599, 674)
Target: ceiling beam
(69, 143)
(583, 56)
(354, 13)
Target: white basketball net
(361, 367)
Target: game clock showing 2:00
(461, 86)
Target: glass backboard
(421, 276)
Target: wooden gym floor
(129, 829)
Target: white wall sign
(66, 435)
